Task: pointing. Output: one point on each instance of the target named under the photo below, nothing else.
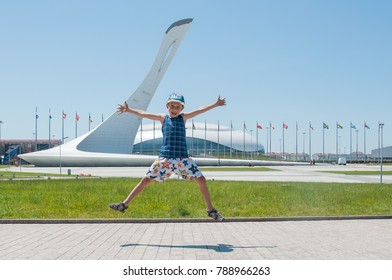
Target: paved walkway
(288, 240)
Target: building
(386, 153)
(11, 148)
(203, 140)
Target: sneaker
(218, 217)
(120, 206)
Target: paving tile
(289, 240)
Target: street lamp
(62, 142)
(303, 144)
(380, 127)
(356, 131)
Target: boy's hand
(122, 108)
(221, 101)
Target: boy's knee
(147, 180)
(201, 179)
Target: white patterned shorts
(163, 168)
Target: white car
(342, 161)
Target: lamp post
(303, 144)
(251, 144)
(62, 142)
(381, 126)
(356, 143)
(267, 152)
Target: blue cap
(176, 97)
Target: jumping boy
(174, 153)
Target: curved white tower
(111, 142)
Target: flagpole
(296, 141)
(351, 128)
(310, 141)
(231, 139)
(267, 151)
(243, 153)
(270, 149)
(192, 136)
(283, 142)
(364, 140)
(62, 127)
(36, 129)
(76, 124)
(205, 138)
(257, 137)
(379, 149)
(323, 142)
(141, 137)
(218, 141)
(337, 143)
(153, 138)
(49, 127)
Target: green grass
(12, 174)
(88, 198)
(359, 172)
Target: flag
(259, 126)
(366, 126)
(36, 116)
(193, 126)
(272, 126)
(245, 126)
(352, 126)
(64, 115)
(325, 125)
(77, 117)
(339, 126)
(90, 119)
(50, 115)
(285, 126)
(310, 126)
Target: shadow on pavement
(222, 248)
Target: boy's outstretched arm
(140, 113)
(203, 109)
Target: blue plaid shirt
(174, 138)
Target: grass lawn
(88, 198)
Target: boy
(174, 153)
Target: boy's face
(174, 108)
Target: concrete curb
(188, 220)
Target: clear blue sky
(279, 61)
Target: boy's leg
(202, 183)
(189, 170)
(155, 168)
(211, 211)
(123, 205)
(137, 189)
